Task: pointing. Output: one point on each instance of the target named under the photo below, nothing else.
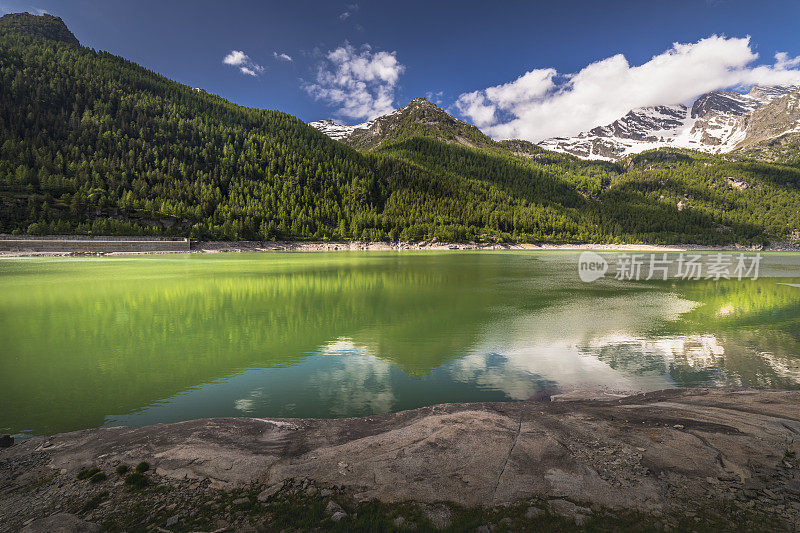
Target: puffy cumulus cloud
(360, 83)
(283, 56)
(240, 60)
(541, 103)
(235, 57)
(475, 106)
(533, 84)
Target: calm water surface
(87, 342)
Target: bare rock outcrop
(656, 452)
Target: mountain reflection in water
(133, 341)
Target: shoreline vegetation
(22, 246)
(672, 460)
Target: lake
(104, 341)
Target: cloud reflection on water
(355, 380)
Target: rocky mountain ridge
(717, 122)
(772, 127)
(419, 117)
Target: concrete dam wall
(79, 243)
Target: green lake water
(94, 341)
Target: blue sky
(452, 51)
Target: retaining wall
(82, 243)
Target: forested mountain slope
(92, 143)
(46, 26)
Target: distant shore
(309, 246)
(23, 246)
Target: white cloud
(237, 58)
(351, 8)
(475, 106)
(541, 103)
(353, 380)
(435, 97)
(533, 84)
(282, 56)
(360, 83)
(783, 61)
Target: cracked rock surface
(655, 452)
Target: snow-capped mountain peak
(644, 123)
(337, 131)
(716, 123)
(420, 118)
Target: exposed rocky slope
(773, 131)
(717, 122)
(718, 456)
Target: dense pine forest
(91, 143)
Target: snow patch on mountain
(713, 124)
(337, 131)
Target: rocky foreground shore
(671, 460)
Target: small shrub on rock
(87, 473)
(123, 469)
(137, 480)
(142, 467)
(98, 477)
